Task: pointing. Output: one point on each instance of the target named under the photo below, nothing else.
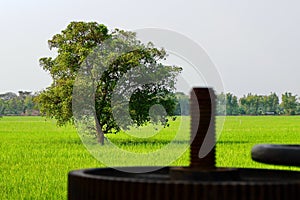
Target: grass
(36, 155)
(241, 133)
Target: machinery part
(277, 154)
(201, 180)
(247, 184)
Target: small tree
(232, 106)
(75, 46)
(289, 103)
(183, 104)
(2, 107)
(272, 103)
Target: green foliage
(251, 104)
(258, 104)
(232, 107)
(90, 46)
(56, 101)
(73, 46)
(22, 104)
(272, 103)
(289, 103)
(148, 97)
(183, 104)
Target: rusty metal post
(202, 127)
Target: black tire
(288, 155)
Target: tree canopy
(105, 57)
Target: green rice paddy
(36, 155)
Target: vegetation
(24, 103)
(88, 49)
(21, 104)
(36, 155)
(253, 104)
(183, 104)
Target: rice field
(36, 155)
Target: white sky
(254, 44)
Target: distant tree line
(18, 104)
(23, 103)
(250, 104)
(253, 104)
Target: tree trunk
(99, 132)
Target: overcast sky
(255, 44)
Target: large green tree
(82, 48)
